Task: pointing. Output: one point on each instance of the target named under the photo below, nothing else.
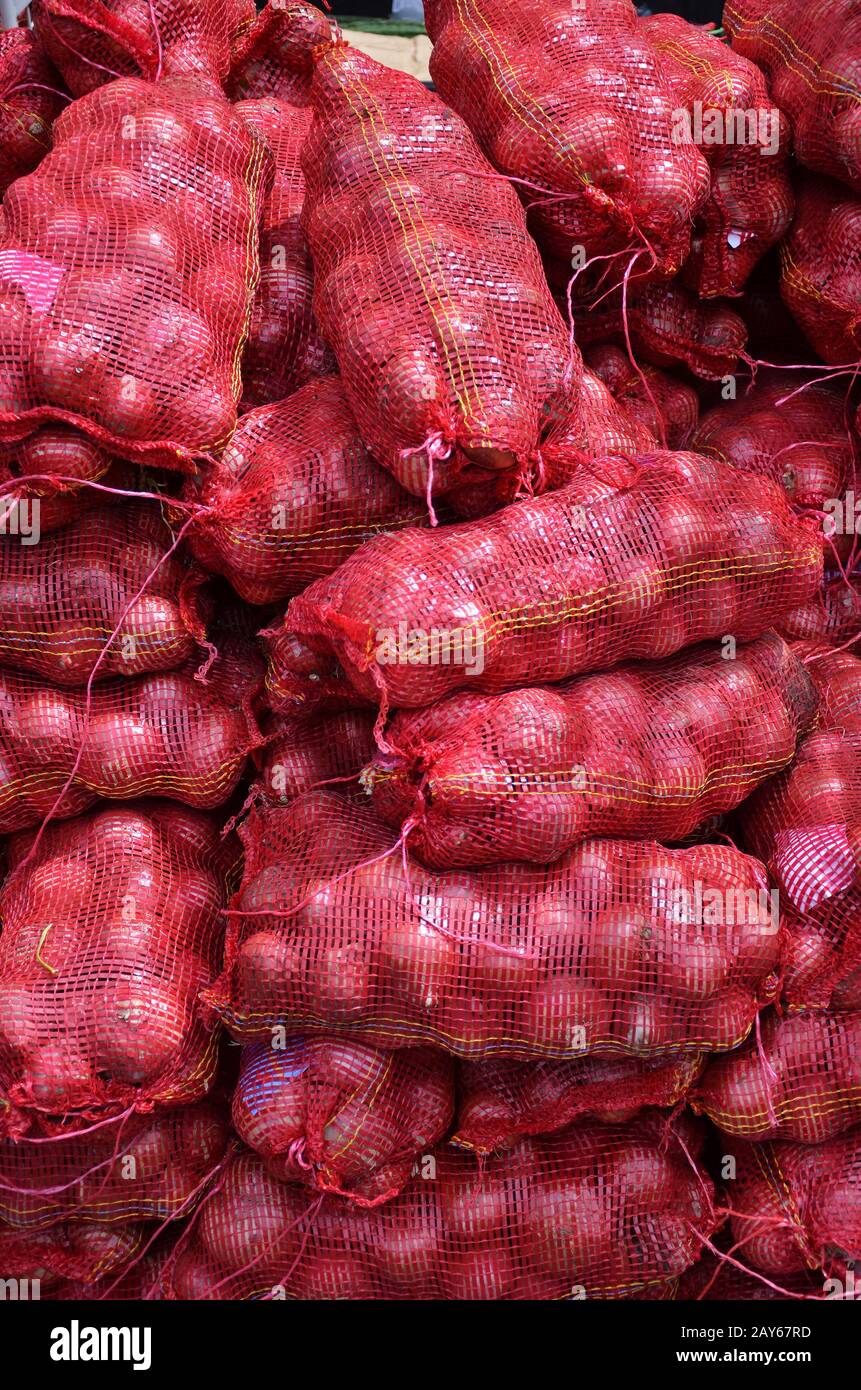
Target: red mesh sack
(831, 619)
(668, 326)
(92, 41)
(801, 441)
(427, 285)
(110, 930)
(272, 57)
(666, 406)
(31, 97)
(501, 1100)
(801, 1081)
(341, 1116)
(720, 1275)
(571, 582)
(820, 268)
(651, 749)
(798, 1206)
(53, 465)
(602, 428)
(141, 1281)
(161, 735)
(301, 753)
(84, 1253)
(129, 261)
(104, 589)
(293, 495)
(599, 1211)
(284, 348)
(810, 50)
(153, 1168)
(746, 141)
(614, 947)
(574, 99)
(807, 823)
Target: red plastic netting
(810, 50)
(625, 947)
(341, 1116)
(92, 41)
(805, 824)
(501, 1100)
(668, 407)
(746, 141)
(293, 495)
(689, 549)
(668, 326)
(31, 97)
(596, 1211)
(53, 465)
(820, 268)
(104, 589)
(284, 348)
(302, 753)
(800, 1081)
(151, 1168)
(797, 1206)
(109, 933)
(802, 441)
(720, 1275)
(831, 619)
(140, 1281)
(129, 261)
(454, 357)
(272, 58)
(83, 1252)
(159, 735)
(650, 749)
(574, 100)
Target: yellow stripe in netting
(774, 36)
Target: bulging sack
(820, 268)
(83, 1253)
(104, 589)
(667, 406)
(667, 550)
(574, 101)
(603, 1211)
(272, 56)
(284, 348)
(44, 478)
(154, 1168)
(802, 1081)
(128, 265)
(427, 285)
(92, 41)
(293, 495)
(341, 1116)
(625, 948)
(299, 754)
(651, 749)
(31, 97)
(110, 930)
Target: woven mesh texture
(272, 57)
(61, 600)
(501, 1100)
(746, 142)
(820, 268)
(648, 750)
(92, 41)
(46, 465)
(293, 495)
(342, 1116)
(28, 106)
(570, 582)
(302, 753)
(284, 348)
(453, 354)
(83, 1253)
(575, 100)
(798, 1205)
(151, 1168)
(810, 50)
(802, 1082)
(129, 263)
(603, 1209)
(629, 948)
(109, 932)
(668, 407)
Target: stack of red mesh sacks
(130, 260)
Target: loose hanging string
(769, 1283)
(158, 44)
(76, 1133)
(34, 86)
(311, 1212)
(435, 449)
